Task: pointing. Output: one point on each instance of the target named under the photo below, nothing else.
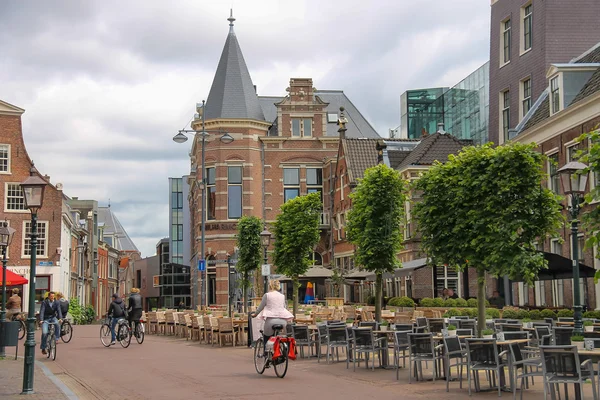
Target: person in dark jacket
(135, 308)
(64, 304)
(49, 311)
(116, 311)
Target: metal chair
(422, 349)
(453, 350)
(321, 340)
(403, 327)
(336, 338)
(468, 324)
(421, 325)
(511, 327)
(364, 341)
(561, 364)
(303, 338)
(483, 356)
(400, 345)
(518, 362)
(435, 325)
(562, 335)
(369, 324)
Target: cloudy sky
(106, 84)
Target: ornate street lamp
(574, 178)
(6, 235)
(181, 137)
(33, 194)
(265, 240)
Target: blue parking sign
(201, 265)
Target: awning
(358, 274)
(407, 268)
(560, 267)
(13, 279)
(314, 272)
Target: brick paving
(11, 382)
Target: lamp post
(6, 235)
(181, 137)
(33, 196)
(574, 178)
(265, 240)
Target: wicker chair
(225, 330)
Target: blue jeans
(45, 323)
(113, 323)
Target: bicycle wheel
(105, 335)
(66, 331)
(52, 352)
(282, 366)
(22, 329)
(124, 335)
(139, 333)
(259, 357)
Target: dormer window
(555, 94)
(332, 118)
(301, 127)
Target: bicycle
(139, 332)
(122, 334)
(66, 331)
(263, 361)
(51, 341)
(22, 326)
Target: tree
(296, 232)
(375, 223)
(484, 209)
(249, 253)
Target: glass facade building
(464, 109)
(176, 220)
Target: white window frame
(505, 34)
(342, 186)
(6, 209)
(523, 98)
(540, 293)
(294, 186)
(45, 239)
(549, 167)
(303, 132)
(555, 94)
(524, 21)
(555, 242)
(521, 293)
(210, 186)
(504, 109)
(445, 278)
(558, 292)
(8, 159)
(315, 187)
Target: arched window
(317, 259)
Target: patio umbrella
(310, 294)
(13, 279)
(560, 267)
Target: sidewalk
(11, 382)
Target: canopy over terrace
(407, 268)
(560, 267)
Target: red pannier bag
(291, 347)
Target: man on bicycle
(135, 309)
(116, 311)
(13, 305)
(49, 312)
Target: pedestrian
(134, 309)
(445, 294)
(451, 294)
(13, 305)
(49, 311)
(116, 311)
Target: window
(555, 94)
(8, 248)
(580, 245)
(302, 127)
(527, 26)
(505, 109)
(211, 194)
(553, 177)
(316, 258)
(505, 42)
(447, 277)
(540, 293)
(525, 96)
(556, 246)
(14, 197)
(42, 243)
(234, 192)
(314, 181)
(42, 285)
(4, 158)
(332, 118)
(571, 152)
(291, 183)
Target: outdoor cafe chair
(525, 365)
(562, 335)
(303, 338)
(421, 325)
(369, 324)
(510, 327)
(464, 334)
(468, 324)
(460, 317)
(321, 340)
(482, 355)
(422, 349)
(435, 325)
(549, 321)
(364, 342)
(566, 319)
(336, 338)
(453, 350)
(401, 345)
(561, 364)
(403, 327)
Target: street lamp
(33, 196)
(574, 178)
(6, 235)
(265, 240)
(181, 137)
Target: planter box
(452, 332)
(580, 345)
(588, 328)
(334, 301)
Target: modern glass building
(464, 109)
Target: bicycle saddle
(277, 327)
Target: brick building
(15, 167)
(526, 36)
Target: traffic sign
(266, 269)
(201, 265)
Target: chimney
(47, 178)
(441, 130)
(342, 121)
(380, 146)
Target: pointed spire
(231, 20)
(232, 94)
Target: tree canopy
(249, 253)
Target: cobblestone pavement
(11, 382)
(168, 367)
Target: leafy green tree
(375, 223)
(249, 253)
(484, 209)
(296, 233)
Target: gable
(9, 109)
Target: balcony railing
(324, 221)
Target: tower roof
(232, 94)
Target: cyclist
(13, 305)
(272, 310)
(64, 304)
(49, 312)
(116, 311)
(135, 309)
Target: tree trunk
(245, 289)
(258, 283)
(378, 295)
(296, 285)
(480, 301)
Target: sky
(107, 84)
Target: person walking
(134, 309)
(116, 311)
(49, 312)
(273, 310)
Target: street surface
(168, 367)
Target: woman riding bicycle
(13, 305)
(273, 310)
